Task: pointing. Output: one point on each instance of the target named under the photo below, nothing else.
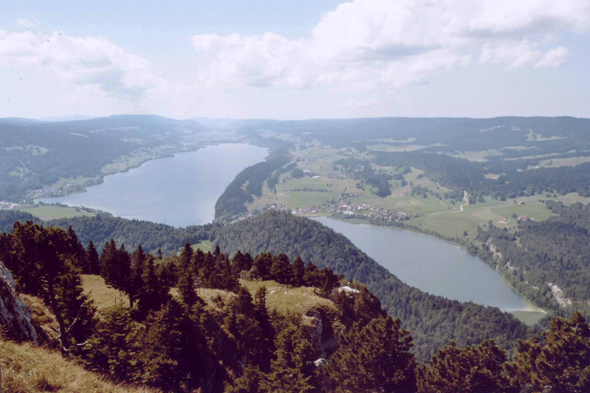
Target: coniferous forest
(172, 339)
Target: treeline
(248, 184)
(434, 320)
(543, 254)
(184, 344)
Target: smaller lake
(431, 265)
(179, 191)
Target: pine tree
(186, 288)
(175, 353)
(266, 327)
(242, 324)
(472, 369)
(249, 382)
(293, 370)
(154, 292)
(135, 285)
(298, 268)
(44, 264)
(261, 266)
(116, 269)
(92, 259)
(80, 258)
(281, 269)
(562, 364)
(186, 256)
(114, 347)
(375, 358)
(241, 262)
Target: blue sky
(295, 60)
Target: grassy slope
(30, 369)
(279, 296)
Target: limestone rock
(16, 318)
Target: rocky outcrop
(324, 338)
(16, 318)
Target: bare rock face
(324, 339)
(16, 318)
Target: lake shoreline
(529, 310)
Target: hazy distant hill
(66, 118)
(36, 154)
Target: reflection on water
(431, 265)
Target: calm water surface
(431, 265)
(179, 191)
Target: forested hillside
(151, 236)
(35, 154)
(182, 341)
(434, 321)
(548, 260)
(9, 217)
(247, 185)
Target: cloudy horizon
(324, 59)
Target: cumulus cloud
(396, 43)
(90, 61)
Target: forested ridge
(549, 261)
(247, 185)
(434, 320)
(152, 236)
(183, 343)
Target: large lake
(431, 265)
(179, 191)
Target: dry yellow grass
(279, 296)
(284, 298)
(29, 369)
(102, 295)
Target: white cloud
(368, 43)
(26, 23)
(554, 58)
(90, 61)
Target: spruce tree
(298, 268)
(92, 259)
(375, 358)
(293, 369)
(44, 264)
(281, 269)
(186, 288)
(472, 369)
(116, 269)
(136, 283)
(186, 256)
(154, 292)
(249, 382)
(561, 364)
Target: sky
(295, 59)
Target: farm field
(324, 186)
(47, 213)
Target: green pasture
(47, 213)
